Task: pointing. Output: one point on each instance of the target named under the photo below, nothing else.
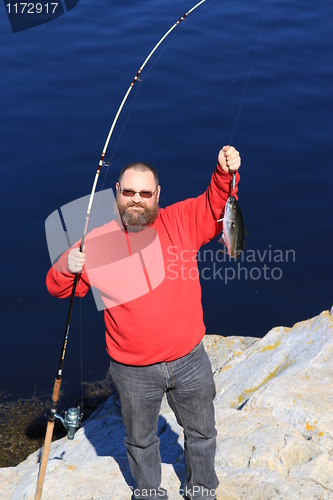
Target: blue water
(268, 63)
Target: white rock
(320, 470)
(278, 446)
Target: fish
(234, 231)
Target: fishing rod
(72, 417)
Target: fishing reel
(71, 420)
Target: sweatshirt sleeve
(59, 280)
(197, 217)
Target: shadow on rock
(106, 432)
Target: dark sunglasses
(129, 193)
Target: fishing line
(163, 50)
(250, 71)
(123, 128)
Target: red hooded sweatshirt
(149, 281)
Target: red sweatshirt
(149, 281)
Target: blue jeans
(190, 389)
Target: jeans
(190, 389)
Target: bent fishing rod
(72, 419)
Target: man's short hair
(140, 167)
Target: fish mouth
(231, 206)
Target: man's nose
(136, 198)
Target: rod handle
(45, 456)
(48, 439)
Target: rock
(319, 470)
(274, 419)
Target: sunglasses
(129, 193)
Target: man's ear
(158, 193)
(117, 187)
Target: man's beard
(136, 221)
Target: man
(154, 319)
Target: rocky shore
(274, 419)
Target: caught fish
(234, 231)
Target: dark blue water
(61, 85)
